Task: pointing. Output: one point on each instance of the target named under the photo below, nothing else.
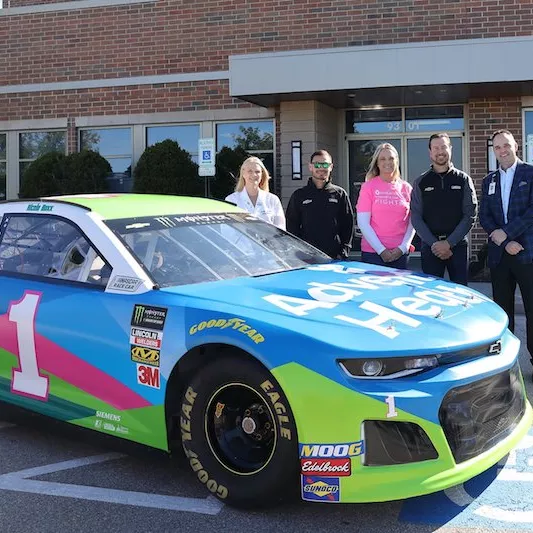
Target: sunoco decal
(320, 489)
(145, 316)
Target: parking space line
(19, 482)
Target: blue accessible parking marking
(498, 499)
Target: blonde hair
(265, 176)
(373, 169)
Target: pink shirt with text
(388, 205)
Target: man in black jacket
(320, 213)
(443, 210)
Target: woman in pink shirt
(383, 213)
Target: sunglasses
(318, 164)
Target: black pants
(504, 278)
(457, 264)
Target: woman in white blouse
(251, 193)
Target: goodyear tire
(239, 435)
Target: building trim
(176, 117)
(40, 124)
(67, 6)
(114, 82)
(400, 65)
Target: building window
(256, 138)
(3, 161)
(115, 144)
(185, 135)
(528, 137)
(34, 144)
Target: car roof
(123, 205)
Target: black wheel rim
(240, 428)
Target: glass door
(418, 156)
(360, 153)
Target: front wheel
(238, 433)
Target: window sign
(374, 121)
(434, 124)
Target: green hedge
(55, 173)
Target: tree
(228, 162)
(253, 139)
(165, 168)
(54, 174)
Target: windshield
(183, 249)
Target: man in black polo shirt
(443, 210)
(320, 213)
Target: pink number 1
(26, 380)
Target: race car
(187, 324)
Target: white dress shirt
(267, 206)
(506, 182)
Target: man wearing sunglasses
(320, 213)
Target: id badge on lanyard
(492, 187)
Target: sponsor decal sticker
(108, 416)
(124, 283)
(147, 356)
(321, 489)
(146, 337)
(237, 324)
(326, 467)
(145, 316)
(39, 207)
(148, 376)
(334, 451)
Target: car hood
(352, 304)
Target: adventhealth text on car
(179, 322)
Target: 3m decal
(349, 449)
(124, 283)
(148, 376)
(147, 356)
(326, 467)
(234, 323)
(27, 381)
(151, 317)
(323, 489)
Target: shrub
(44, 176)
(165, 168)
(54, 173)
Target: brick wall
(195, 96)
(24, 3)
(172, 36)
(487, 115)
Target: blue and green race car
(188, 324)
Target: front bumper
(474, 420)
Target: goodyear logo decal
(147, 356)
(322, 489)
(237, 324)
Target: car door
(64, 342)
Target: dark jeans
(457, 264)
(504, 278)
(375, 259)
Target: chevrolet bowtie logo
(495, 348)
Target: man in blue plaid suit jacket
(506, 214)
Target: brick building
(120, 75)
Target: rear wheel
(238, 433)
